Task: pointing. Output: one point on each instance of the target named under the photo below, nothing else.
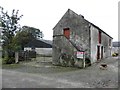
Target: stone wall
(104, 43)
(83, 37)
(79, 35)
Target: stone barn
(78, 42)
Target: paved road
(24, 80)
(91, 77)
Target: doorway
(98, 52)
(102, 52)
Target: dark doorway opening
(102, 52)
(98, 52)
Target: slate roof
(84, 19)
(47, 41)
(116, 44)
(100, 30)
(40, 44)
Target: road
(90, 77)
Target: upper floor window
(66, 32)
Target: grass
(11, 66)
(0, 62)
(34, 67)
(8, 66)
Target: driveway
(62, 77)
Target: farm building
(42, 47)
(77, 41)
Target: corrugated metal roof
(39, 44)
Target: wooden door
(67, 33)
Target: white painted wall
(105, 43)
(41, 51)
(94, 43)
(44, 51)
(27, 48)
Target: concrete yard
(40, 74)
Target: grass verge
(0, 62)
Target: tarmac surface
(49, 76)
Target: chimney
(81, 16)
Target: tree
(10, 26)
(22, 38)
(26, 35)
(34, 31)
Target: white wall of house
(95, 42)
(41, 51)
(44, 51)
(105, 43)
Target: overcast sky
(44, 14)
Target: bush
(115, 54)
(87, 61)
(72, 62)
(8, 60)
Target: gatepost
(81, 58)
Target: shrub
(72, 62)
(8, 60)
(115, 54)
(87, 61)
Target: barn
(42, 47)
(77, 41)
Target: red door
(67, 33)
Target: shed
(42, 47)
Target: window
(66, 32)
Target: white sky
(44, 14)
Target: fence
(26, 55)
